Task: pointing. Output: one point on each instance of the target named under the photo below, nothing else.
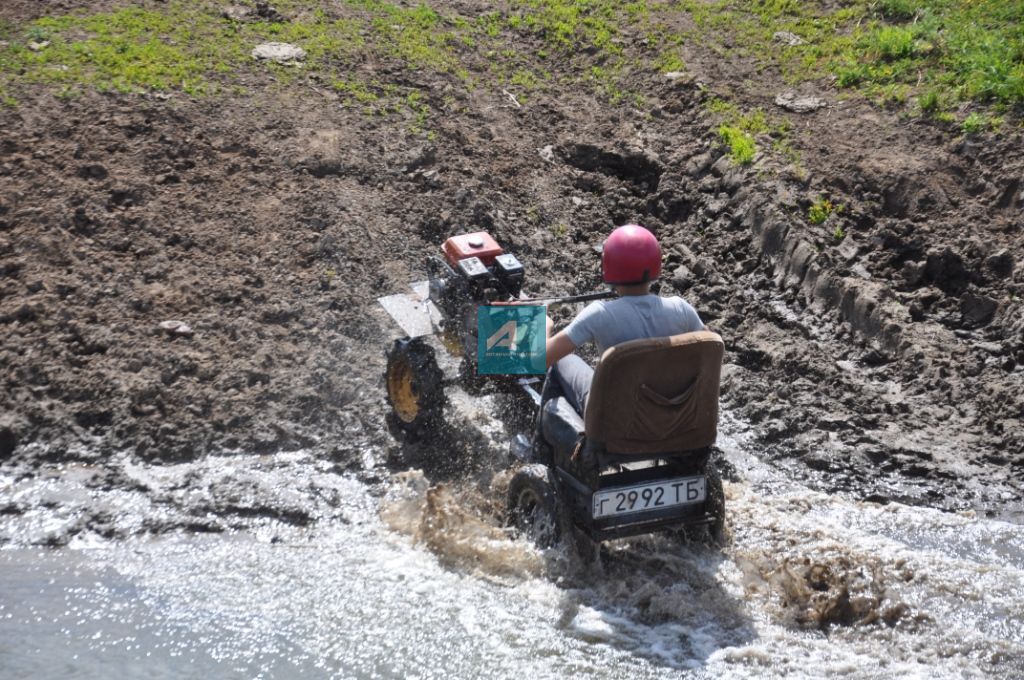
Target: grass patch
(740, 129)
(927, 56)
(190, 47)
(127, 50)
(184, 46)
(933, 55)
(821, 210)
(741, 144)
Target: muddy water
(335, 579)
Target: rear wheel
(414, 386)
(533, 507)
(715, 532)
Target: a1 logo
(505, 337)
(511, 340)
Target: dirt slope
(887, 362)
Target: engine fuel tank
(478, 244)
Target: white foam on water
(427, 582)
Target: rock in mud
(262, 12)
(945, 268)
(8, 442)
(238, 13)
(977, 310)
(787, 38)
(799, 103)
(679, 77)
(176, 328)
(282, 53)
(1000, 265)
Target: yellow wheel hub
(402, 391)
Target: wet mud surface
(191, 277)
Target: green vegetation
(821, 210)
(741, 144)
(126, 50)
(185, 46)
(927, 56)
(190, 47)
(937, 53)
(740, 129)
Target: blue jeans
(574, 376)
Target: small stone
(682, 278)
(268, 13)
(991, 347)
(787, 38)
(578, 202)
(8, 442)
(861, 271)
(678, 77)
(38, 46)
(791, 101)
(977, 310)
(238, 13)
(282, 53)
(174, 327)
(547, 153)
(1000, 265)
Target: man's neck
(637, 289)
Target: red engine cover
(478, 244)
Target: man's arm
(558, 346)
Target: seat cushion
(656, 395)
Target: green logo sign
(511, 340)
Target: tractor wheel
(716, 531)
(414, 386)
(533, 506)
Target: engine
(473, 271)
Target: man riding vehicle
(630, 261)
(618, 450)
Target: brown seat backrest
(657, 395)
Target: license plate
(625, 500)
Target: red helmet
(631, 255)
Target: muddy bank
(190, 277)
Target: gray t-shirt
(610, 322)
